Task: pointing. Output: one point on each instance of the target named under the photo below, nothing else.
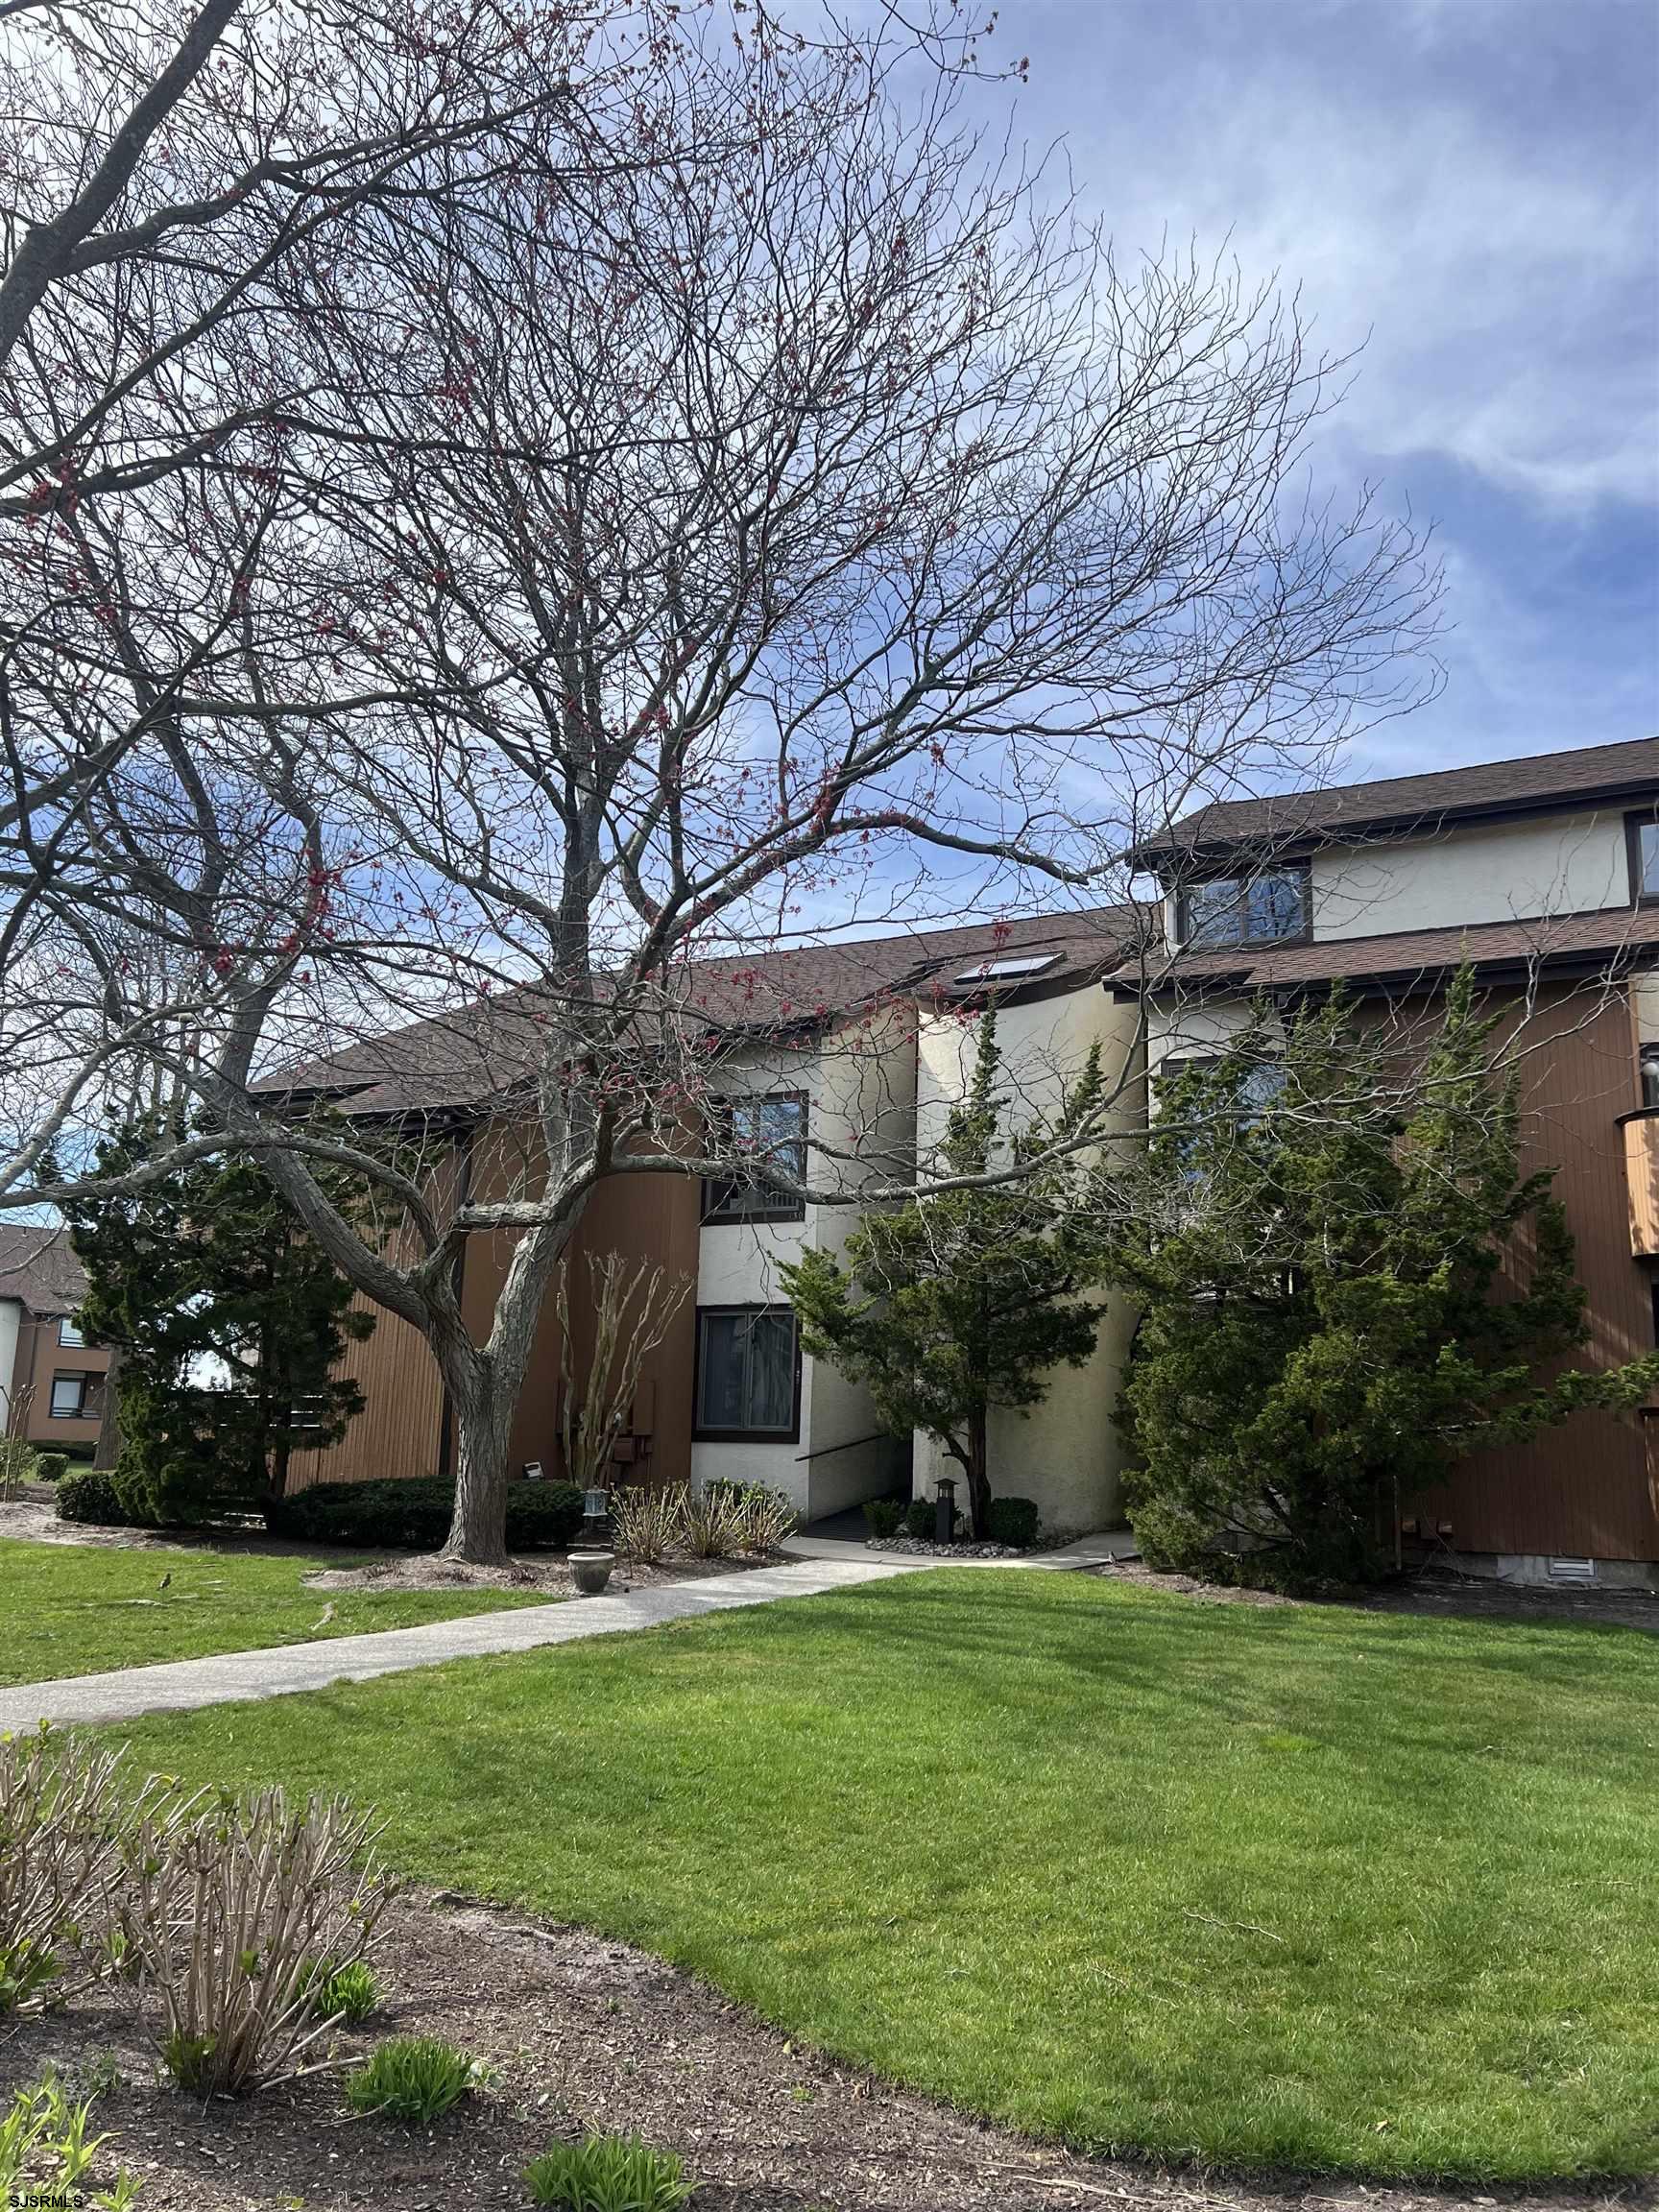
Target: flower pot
(591, 1571)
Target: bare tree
(630, 1311)
(785, 509)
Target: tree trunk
(483, 1430)
(978, 1477)
(109, 1439)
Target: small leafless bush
(649, 1523)
(229, 1907)
(18, 1456)
(715, 1521)
(61, 1824)
(767, 1517)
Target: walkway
(181, 1685)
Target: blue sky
(1471, 188)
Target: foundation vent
(1572, 1570)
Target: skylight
(997, 970)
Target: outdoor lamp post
(593, 1559)
(944, 1514)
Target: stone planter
(591, 1571)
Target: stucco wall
(1190, 1028)
(10, 1320)
(1064, 1453)
(1497, 872)
(860, 1087)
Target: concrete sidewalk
(814, 1566)
(284, 1669)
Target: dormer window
(1267, 907)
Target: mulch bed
(586, 2032)
(32, 1518)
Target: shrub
(649, 1522)
(91, 1497)
(45, 2151)
(543, 1516)
(413, 2078)
(608, 2173)
(1012, 1520)
(349, 1993)
(885, 1517)
(51, 1466)
(415, 1515)
(765, 1518)
(60, 1822)
(229, 1905)
(186, 1488)
(714, 1522)
(921, 1519)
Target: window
(72, 1397)
(1648, 1061)
(1260, 910)
(748, 1372)
(1260, 1088)
(768, 1129)
(69, 1336)
(1641, 840)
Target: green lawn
(80, 1608)
(1260, 1886)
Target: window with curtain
(747, 1372)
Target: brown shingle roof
(461, 1058)
(1402, 804)
(1615, 936)
(37, 1265)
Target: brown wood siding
(400, 1430)
(40, 1356)
(651, 1217)
(1582, 1489)
(1641, 1175)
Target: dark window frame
(88, 1380)
(782, 1205)
(74, 1341)
(1634, 824)
(701, 1436)
(1301, 870)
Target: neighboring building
(51, 1383)
(845, 1040)
(1543, 872)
